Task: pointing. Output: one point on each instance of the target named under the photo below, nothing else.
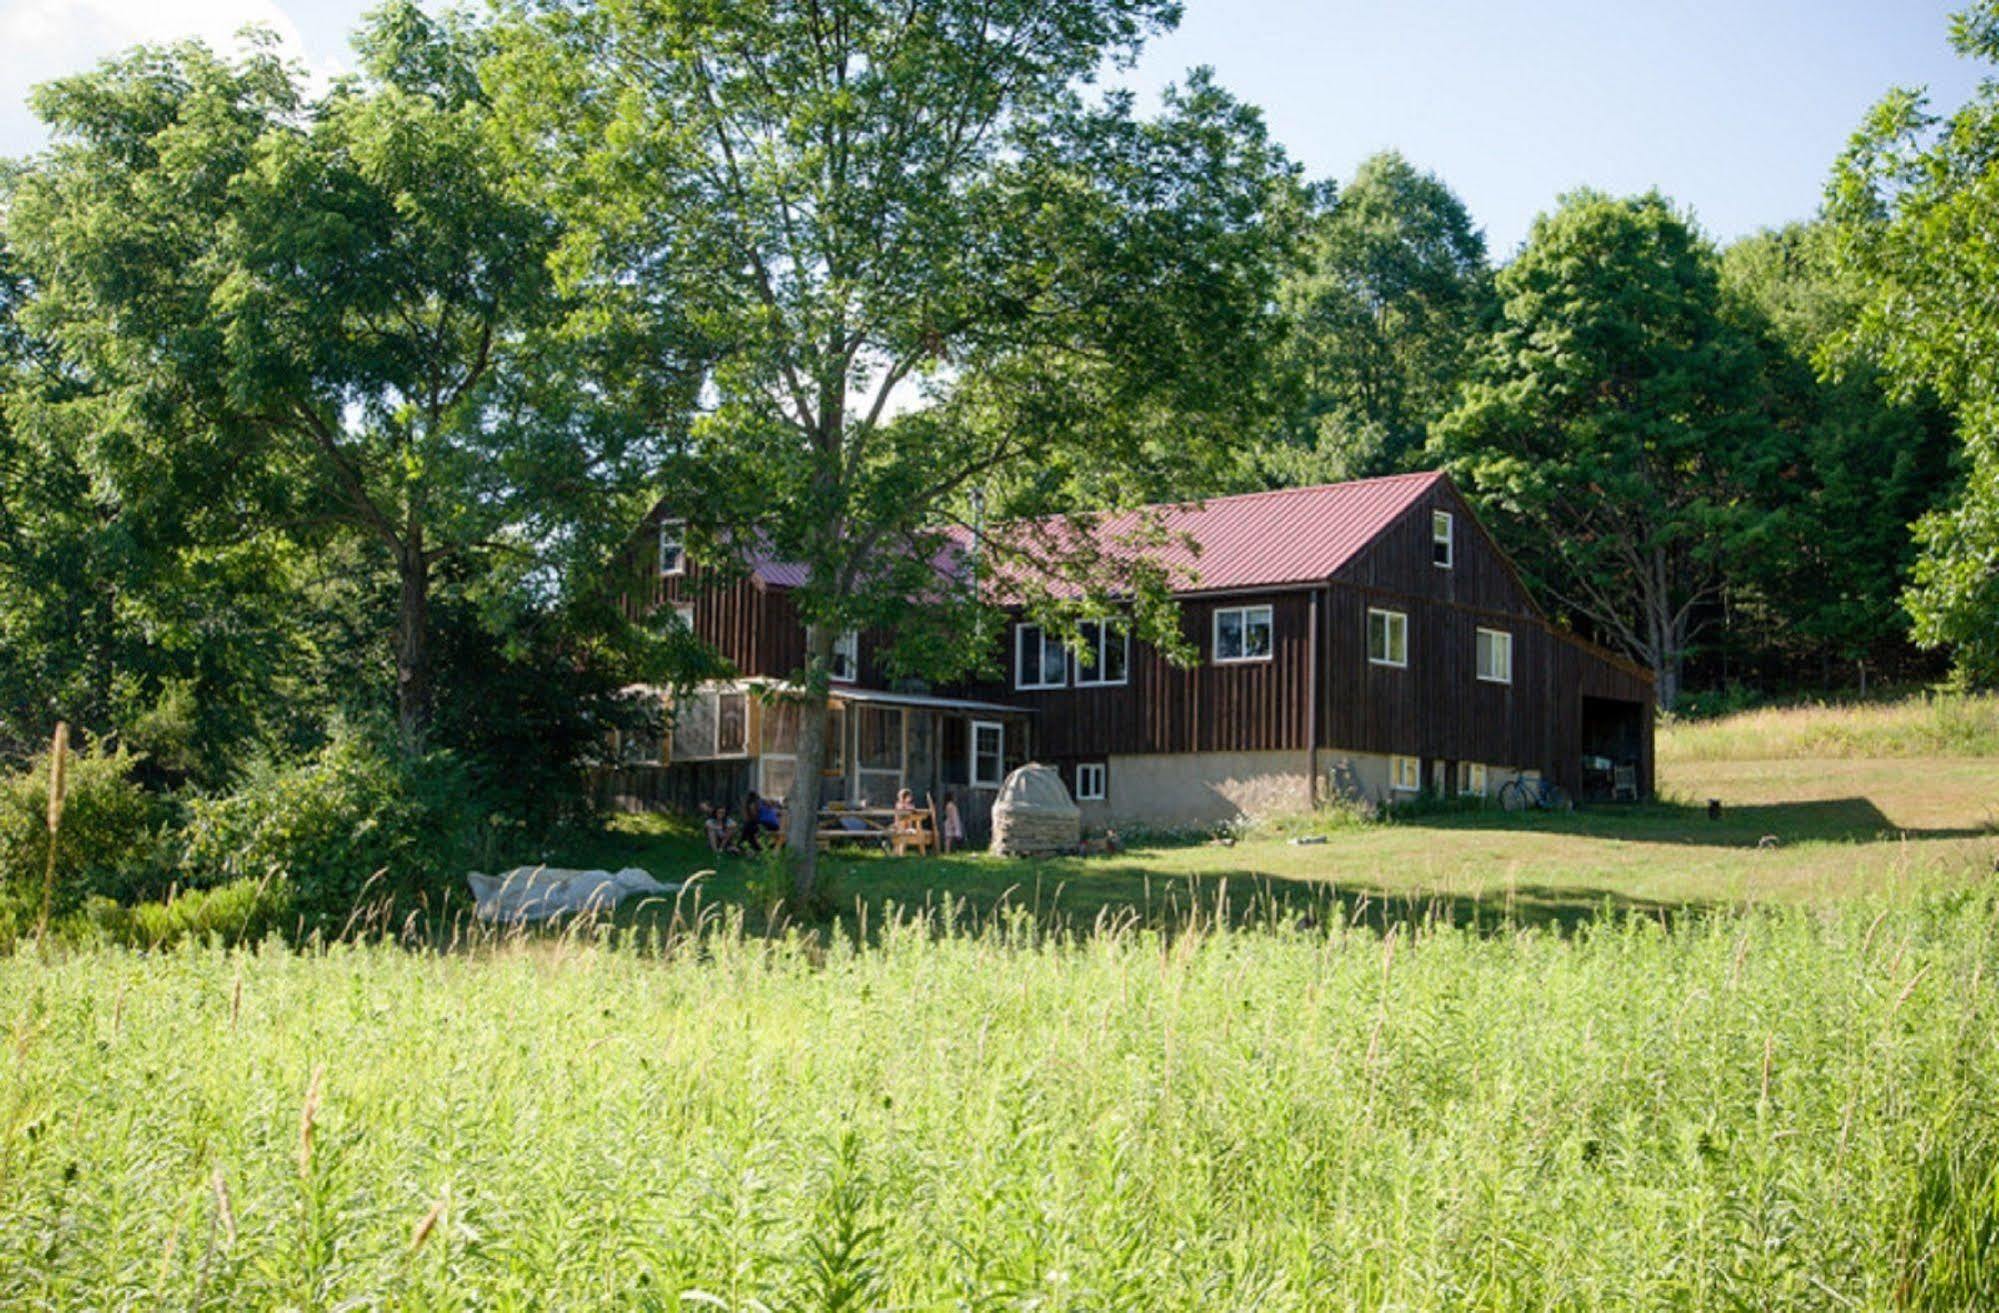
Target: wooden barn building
(1365, 639)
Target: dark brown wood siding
(1400, 560)
(1247, 706)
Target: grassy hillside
(1923, 726)
(1794, 1109)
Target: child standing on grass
(954, 825)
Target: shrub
(242, 911)
(111, 843)
(357, 818)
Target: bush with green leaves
(358, 821)
(111, 842)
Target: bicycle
(1519, 794)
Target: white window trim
(848, 643)
(674, 531)
(1061, 679)
(1395, 764)
(1506, 634)
(1090, 676)
(1448, 523)
(1468, 771)
(684, 613)
(1215, 637)
(1403, 617)
(1087, 771)
(972, 747)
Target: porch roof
(846, 693)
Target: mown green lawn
(1791, 829)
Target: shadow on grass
(1740, 825)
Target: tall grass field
(1784, 1109)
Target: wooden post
(58, 782)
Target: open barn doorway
(1613, 749)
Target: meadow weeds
(1928, 725)
(1780, 1109)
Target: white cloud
(43, 39)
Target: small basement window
(1242, 633)
(672, 547)
(1039, 660)
(1471, 779)
(988, 754)
(1405, 774)
(1495, 656)
(1090, 782)
(1387, 637)
(1440, 538)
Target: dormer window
(672, 547)
(1440, 539)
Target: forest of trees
(326, 414)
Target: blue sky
(1736, 108)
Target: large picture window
(1242, 633)
(1108, 647)
(1387, 637)
(1495, 656)
(1039, 660)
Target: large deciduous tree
(1913, 201)
(931, 264)
(1389, 299)
(1613, 424)
(328, 318)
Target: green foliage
(1383, 313)
(358, 822)
(1860, 466)
(1912, 201)
(240, 912)
(112, 842)
(904, 203)
(1613, 430)
(1779, 1109)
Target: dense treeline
(326, 416)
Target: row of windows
(1241, 633)
(1405, 775)
(1388, 645)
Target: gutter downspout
(1312, 716)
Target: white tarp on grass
(536, 893)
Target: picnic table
(895, 833)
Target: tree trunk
(413, 644)
(802, 825)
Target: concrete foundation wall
(1174, 790)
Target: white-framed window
(1039, 660)
(1471, 779)
(1440, 538)
(1242, 633)
(672, 547)
(1108, 646)
(1387, 637)
(1405, 774)
(684, 613)
(988, 754)
(1495, 656)
(1090, 779)
(847, 656)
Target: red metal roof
(1253, 540)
